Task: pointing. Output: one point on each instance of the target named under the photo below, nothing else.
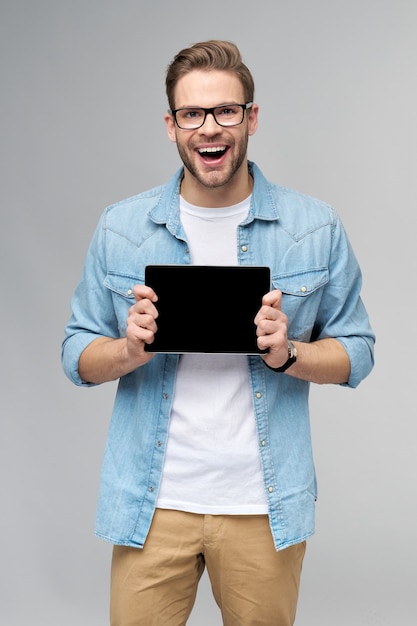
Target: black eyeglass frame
(245, 107)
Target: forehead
(207, 88)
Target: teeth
(214, 149)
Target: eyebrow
(199, 106)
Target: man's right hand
(106, 358)
(141, 321)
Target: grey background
(82, 101)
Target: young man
(208, 461)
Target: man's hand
(141, 321)
(271, 329)
(322, 361)
(107, 358)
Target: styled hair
(209, 55)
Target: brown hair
(209, 55)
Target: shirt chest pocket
(301, 295)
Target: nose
(210, 125)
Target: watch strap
(292, 357)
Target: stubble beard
(215, 178)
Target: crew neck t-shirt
(212, 462)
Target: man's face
(212, 154)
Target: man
(208, 461)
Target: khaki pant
(253, 584)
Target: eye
(227, 111)
(191, 114)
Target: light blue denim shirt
(312, 263)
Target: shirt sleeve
(342, 314)
(92, 311)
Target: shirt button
(270, 489)
(303, 289)
(165, 396)
(244, 248)
(263, 443)
(151, 489)
(129, 292)
(258, 395)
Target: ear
(171, 128)
(253, 118)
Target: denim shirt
(304, 244)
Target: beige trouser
(252, 583)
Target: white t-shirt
(212, 463)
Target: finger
(143, 305)
(273, 299)
(143, 292)
(267, 312)
(141, 328)
(267, 327)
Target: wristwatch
(292, 357)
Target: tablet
(206, 308)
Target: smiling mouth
(212, 153)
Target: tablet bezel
(211, 296)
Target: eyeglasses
(190, 118)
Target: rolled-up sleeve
(342, 313)
(92, 312)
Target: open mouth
(212, 153)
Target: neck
(231, 193)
